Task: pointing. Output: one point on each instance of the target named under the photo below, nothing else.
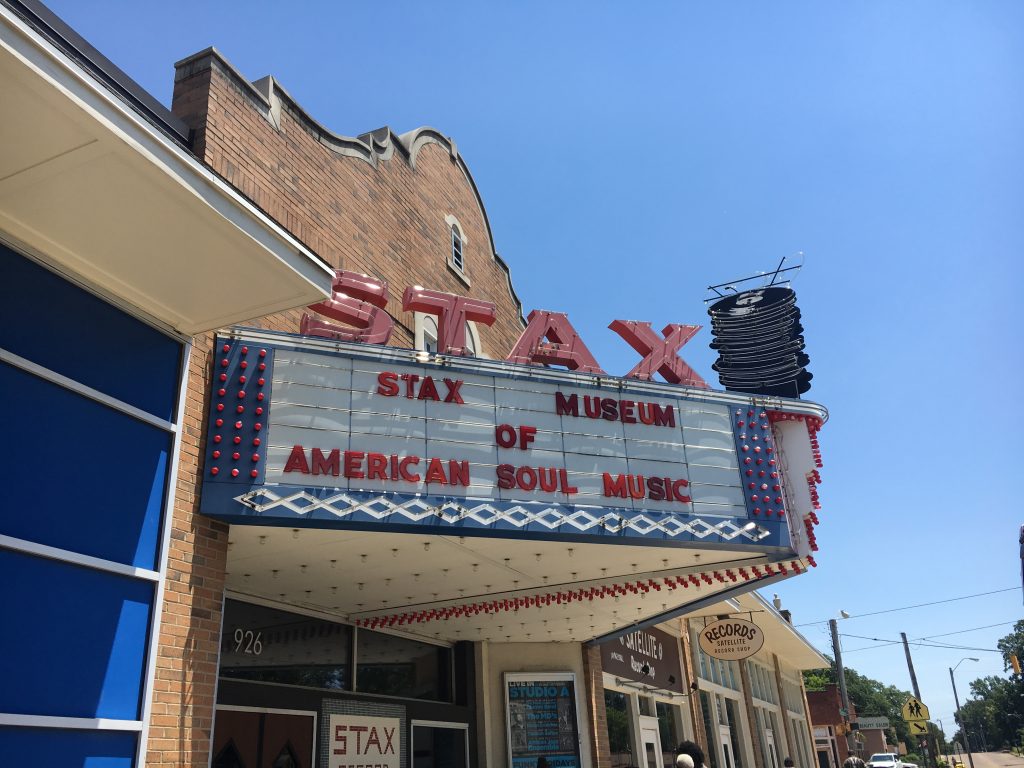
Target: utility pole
(930, 759)
(841, 674)
(960, 719)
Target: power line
(919, 605)
(869, 647)
(918, 643)
(962, 631)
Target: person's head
(684, 761)
(788, 762)
(691, 750)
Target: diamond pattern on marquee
(487, 514)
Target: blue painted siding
(83, 477)
(79, 475)
(52, 748)
(74, 644)
(56, 324)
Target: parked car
(886, 760)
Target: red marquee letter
(659, 355)
(564, 345)
(358, 300)
(452, 313)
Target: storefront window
(438, 746)
(616, 707)
(710, 728)
(668, 726)
(273, 646)
(735, 735)
(397, 666)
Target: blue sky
(630, 155)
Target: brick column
(696, 708)
(598, 718)
(181, 725)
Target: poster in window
(542, 720)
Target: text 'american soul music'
(412, 469)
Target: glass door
(249, 737)
(439, 744)
(725, 739)
(769, 740)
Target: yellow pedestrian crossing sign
(918, 727)
(915, 710)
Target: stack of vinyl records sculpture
(760, 343)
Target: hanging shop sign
(542, 720)
(648, 656)
(731, 639)
(357, 742)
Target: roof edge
(371, 147)
(59, 34)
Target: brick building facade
(243, 207)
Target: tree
(994, 717)
(868, 696)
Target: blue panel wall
(58, 325)
(74, 640)
(79, 475)
(51, 748)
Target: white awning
(90, 185)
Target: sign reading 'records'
(731, 639)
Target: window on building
(427, 334)
(735, 734)
(273, 646)
(710, 728)
(457, 258)
(670, 723)
(617, 714)
(428, 343)
(397, 666)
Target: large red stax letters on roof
(548, 339)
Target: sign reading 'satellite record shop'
(731, 639)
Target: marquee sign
(334, 433)
(361, 436)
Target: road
(994, 760)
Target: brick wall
(379, 211)
(594, 673)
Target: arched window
(426, 335)
(456, 257)
(457, 260)
(428, 343)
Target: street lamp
(956, 698)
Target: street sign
(918, 727)
(915, 709)
(872, 722)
